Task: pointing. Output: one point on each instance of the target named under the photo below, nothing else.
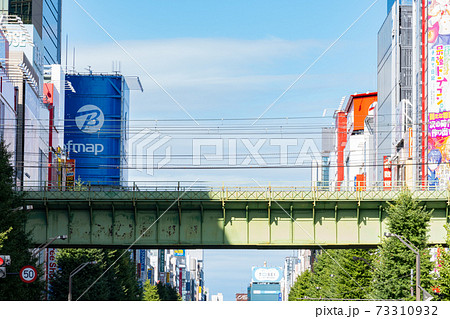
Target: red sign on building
(360, 182)
(241, 297)
(387, 173)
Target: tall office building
(7, 101)
(396, 88)
(45, 16)
(33, 31)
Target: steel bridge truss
(221, 218)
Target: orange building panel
(359, 104)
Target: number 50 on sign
(28, 274)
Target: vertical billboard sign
(70, 173)
(51, 267)
(180, 282)
(410, 142)
(142, 260)
(93, 133)
(387, 173)
(161, 256)
(150, 275)
(438, 93)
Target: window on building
(21, 8)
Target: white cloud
(198, 56)
(216, 77)
(225, 78)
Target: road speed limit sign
(28, 274)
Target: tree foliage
(443, 267)
(160, 292)
(384, 273)
(150, 292)
(15, 241)
(302, 285)
(4, 236)
(167, 292)
(394, 260)
(118, 283)
(337, 275)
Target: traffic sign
(28, 274)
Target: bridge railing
(233, 186)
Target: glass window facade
(21, 8)
(51, 31)
(390, 3)
(45, 15)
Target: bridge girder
(241, 219)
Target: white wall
(9, 115)
(36, 140)
(353, 159)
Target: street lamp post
(73, 273)
(62, 237)
(408, 244)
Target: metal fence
(296, 186)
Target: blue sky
(229, 59)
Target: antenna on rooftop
(116, 67)
(67, 44)
(73, 66)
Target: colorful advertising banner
(70, 173)
(438, 93)
(387, 173)
(179, 252)
(95, 126)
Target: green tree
(121, 278)
(352, 274)
(167, 292)
(443, 265)
(394, 260)
(322, 279)
(118, 283)
(150, 292)
(337, 275)
(301, 287)
(16, 243)
(4, 236)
